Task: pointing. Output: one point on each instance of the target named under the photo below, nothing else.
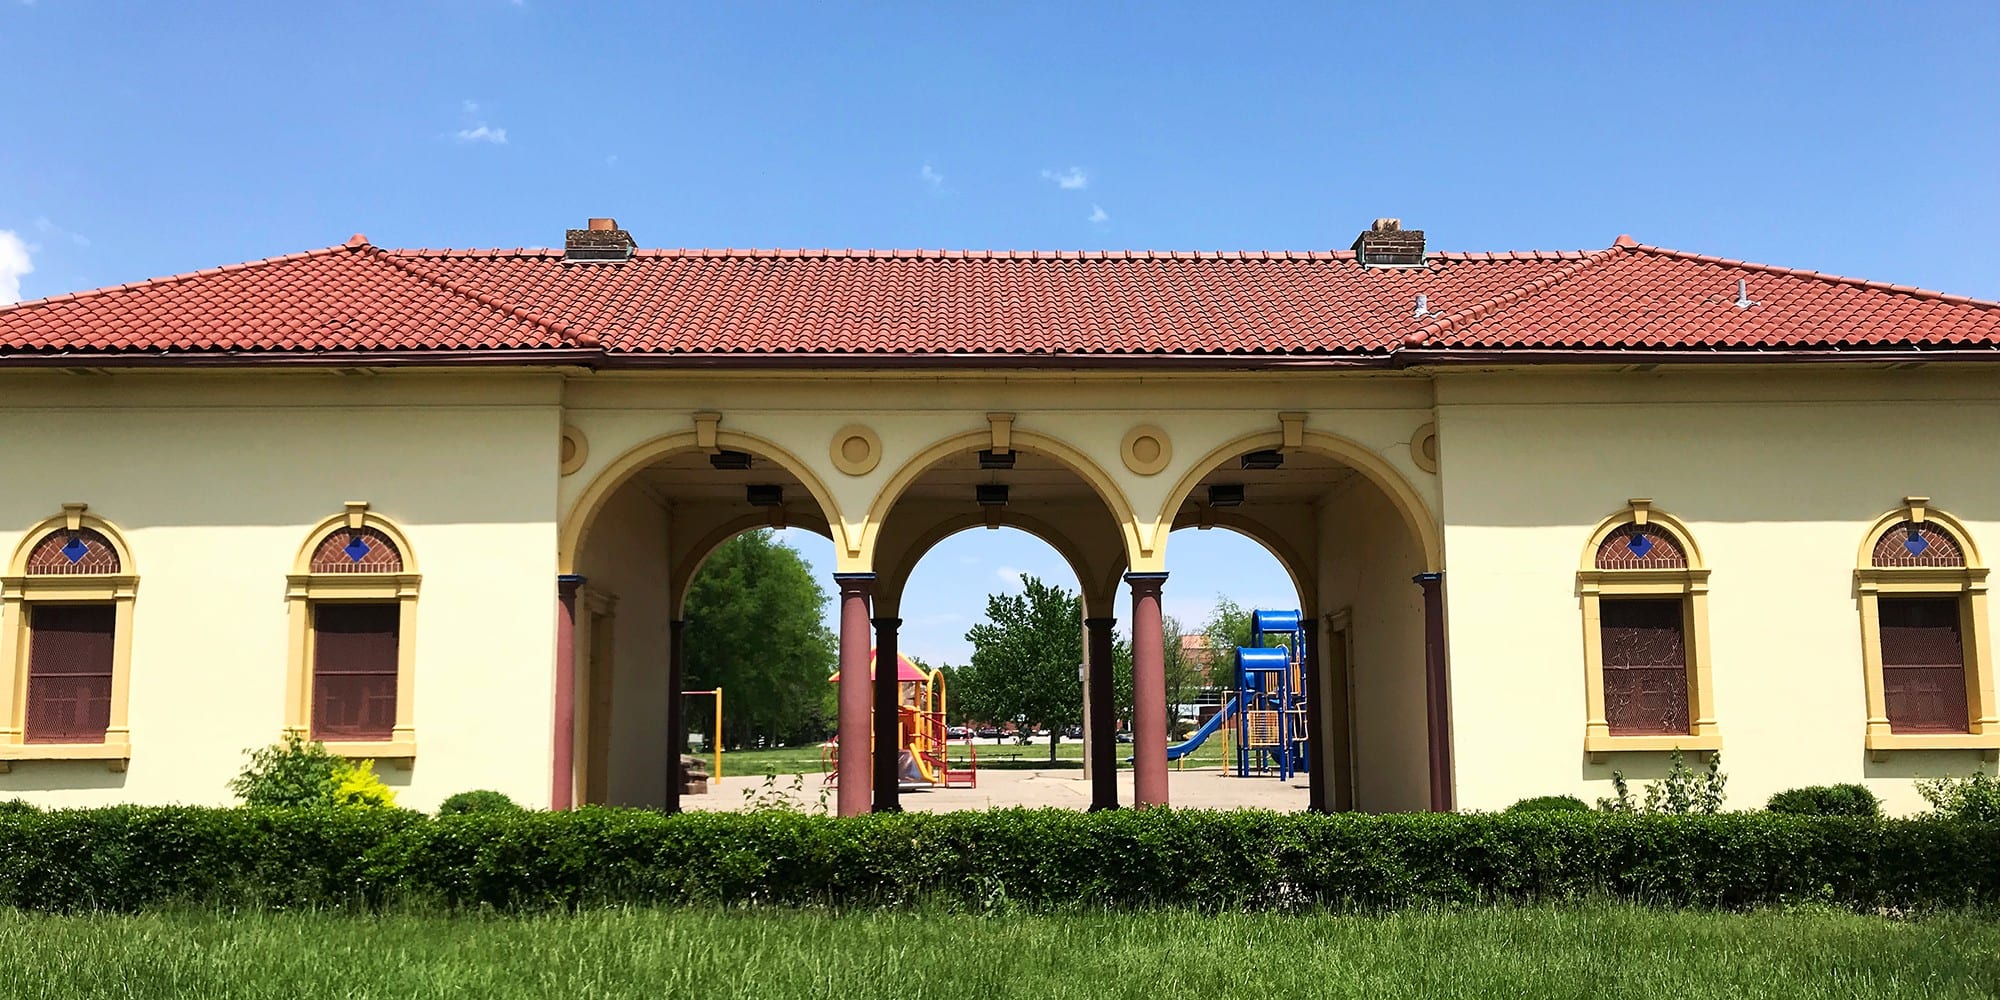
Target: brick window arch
(1922, 594)
(1644, 595)
(66, 642)
(353, 601)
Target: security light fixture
(990, 494)
(1225, 495)
(989, 460)
(1269, 459)
(730, 461)
(765, 494)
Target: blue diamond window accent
(1640, 545)
(1916, 543)
(357, 548)
(75, 550)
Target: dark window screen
(69, 672)
(1923, 665)
(1645, 667)
(354, 671)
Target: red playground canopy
(905, 670)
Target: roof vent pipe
(1743, 295)
(600, 241)
(1423, 305)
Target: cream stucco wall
(628, 563)
(215, 482)
(1778, 474)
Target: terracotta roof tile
(357, 297)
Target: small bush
(1683, 792)
(295, 773)
(14, 806)
(1827, 800)
(1550, 803)
(480, 802)
(1972, 798)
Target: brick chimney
(600, 240)
(1388, 244)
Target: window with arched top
(1922, 593)
(66, 642)
(1644, 594)
(353, 603)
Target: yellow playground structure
(922, 733)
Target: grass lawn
(1593, 952)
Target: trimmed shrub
(129, 858)
(1550, 803)
(1827, 800)
(480, 801)
(1976, 797)
(293, 772)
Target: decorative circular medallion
(855, 450)
(573, 451)
(1424, 447)
(1146, 449)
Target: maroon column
(1098, 664)
(1149, 692)
(1437, 691)
(562, 785)
(677, 729)
(854, 729)
(1319, 767)
(888, 748)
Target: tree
(1026, 658)
(754, 629)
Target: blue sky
(145, 139)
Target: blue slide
(1194, 740)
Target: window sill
(1881, 744)
(1597, 745)
(401, 753)
(114, 755)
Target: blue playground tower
(1270, 702)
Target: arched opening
(1355, 536)
(635, 541)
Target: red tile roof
(358, 301)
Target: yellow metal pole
(718, 733)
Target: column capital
(1100, 623)
(567, 583)
(1146, 583)
(1427, 578)
(855, 583)
(882, 623)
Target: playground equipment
(922, 743)
(1264, 718)
(715, 735)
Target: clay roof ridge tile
(1493, 304)
(171, 279)
(1880, 286)
(561, 331)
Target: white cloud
(14, 262)
(931, 178)
(1011, 578)
(1098, 215)
(1073, 179)
(47, 228)
(476, 129)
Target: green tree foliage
(1025, 660)
(297, 773)
(754, 629)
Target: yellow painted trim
(18, 592)
(871, 450)
(304, 588)
(1966, 583)
(576, 525)
(1691, 585)
(860, 538)
(1163, 450)
(579, 451)
(1408, 502)
(1424, 448)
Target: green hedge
(129, 858)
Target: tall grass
(1591, 952)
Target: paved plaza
(1202, 788)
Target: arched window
(1644, 592)
(1922, 592)
(66, 642)
(353, 601)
